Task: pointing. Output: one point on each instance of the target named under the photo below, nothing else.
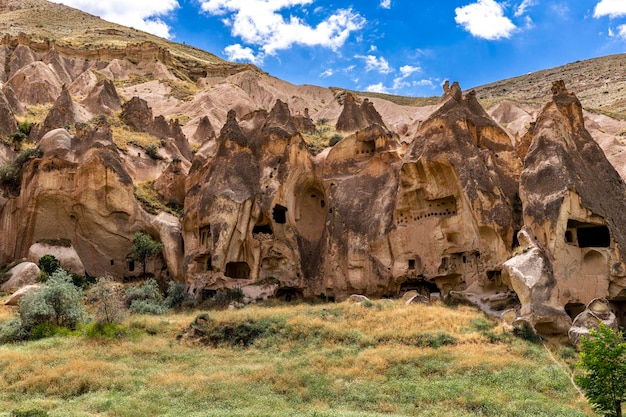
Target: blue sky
(405, 47)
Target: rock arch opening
(288, 294)
(237, 270)
(574, 309)
(594, 263)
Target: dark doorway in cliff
(279, 214)
(209, 264)
(574, 309)
(618, 307)
(288, 294)
(237, 270)
(420, 285)
(205, 236)
(587, 235)
(131, 264)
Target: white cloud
(328, 73)
(407, 70)
(373, 63)
(611, 8)
(139, 14)
(237, 52)
(621, 32)
(424, 83)
(377, 88)
(521, 9)
(385, 4)
(485, 19)
(258, 22)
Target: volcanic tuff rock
(514, 206)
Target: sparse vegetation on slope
(323, 360)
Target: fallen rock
(14, 299)
(597, 311)
(66, 254)
(25, 273)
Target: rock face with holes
(456, 208)
(573, 203)
(78, 191)
(244, 215)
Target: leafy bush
(49, 264)
(177, 295)
(525, 331)
(145, 299)
(13, 331)
(223, 298)
(603, 358)
(109, 306)
(11, 172)
(58, 302)
(153, 152)
(243, 334)
(105, 330)
(144, 248)
(335, 139)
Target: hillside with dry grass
(369, 359)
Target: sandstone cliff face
(435, 210)
(574, 205)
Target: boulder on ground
(23, 274)
(597, 311)
(70, 261)
(14, 299)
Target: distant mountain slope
(599, 83)
(67, 27)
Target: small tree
(603, 357)
(144, 248)
(49, 264)
(58, 302)
(109, 306)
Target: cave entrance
(205, 236)
(237, 270)
(279, 214)
(619, 308)
(574, 309)
(420, 285)
(288, 294)
(311, 213)
(587, 235)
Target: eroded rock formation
(529, 216)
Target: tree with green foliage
(58, 302)
(603, 358)
(144, 248)
(49, 264)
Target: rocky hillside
(300, 191)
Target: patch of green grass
(152, 201)
(285, 360)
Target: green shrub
(48, 265)
(13, 331)
(11, 172)
(105, 330)
(144, 248)
(109, 306)
(525, 331)
(153, 152)
(241, 334)
(223, 298)
(335, 139)
(145, 298)
(47, 329)
(58, 302)
(603, 359)
(177, 296)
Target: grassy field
(376, 359)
